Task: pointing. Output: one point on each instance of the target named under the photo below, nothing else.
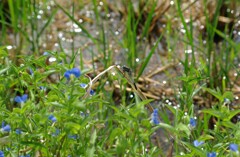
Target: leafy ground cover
(124, 78)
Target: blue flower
(83, 85)
(197, 143)
(92, 92)
(42, 88)
(192, 122)
(75, 71)
(211, 154)
(233, 147)
(74, 137)
(56, 133)
(52, 118)
(155, 119)
(45, 53)
(1, 154)
(18, 131)
(21, 99)
(5, 128)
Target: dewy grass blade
(146, 61)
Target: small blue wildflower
(74, 137)
(75, 71)
(192, 122)
(155, 119)
(92, 92)
(18, 131)
(52, 118)
(5, 128)
(226, 101)
(45, 53)
(42, 88)
(211, 154)
(233, 147)
(83, 85)
(1, 154)
(21, 99)
(197, 143)
(31, 71)
(56, 133)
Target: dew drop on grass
(235, 74)
(116, 33)
(80, 20)
(60, 34)
(131, 96)
(78, 30)
(101, 3)
(52, 59)
(9, 47)
(171, 2)
(39, 17)
(137, 59)
(236, 97)
(40, 12)
(164, 82)
(56, 44)
(113, 73)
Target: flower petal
(6, 128)
(24, 97)
(76, 72)
(18, 99)
(192, 122)
(233, 147)
(67, 74)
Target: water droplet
(224, 77)
(183, 30)
(39, 17)
(56, 44)
(235, 74)
(40, 12)
(171, 2)
(202, 27)
(52, 59)
(178, 106)
(101, 3)
(238, 33)
(137, 59)
(48, 8)
(131, 96)
(116, 33)
(97, 33)
(78, 30)
(185, 113)
(164, 82)
(113, 73)
(236, 97)
(167, 101)
(9, 47)
(80, 20)
(108, 15)
(60, 34)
